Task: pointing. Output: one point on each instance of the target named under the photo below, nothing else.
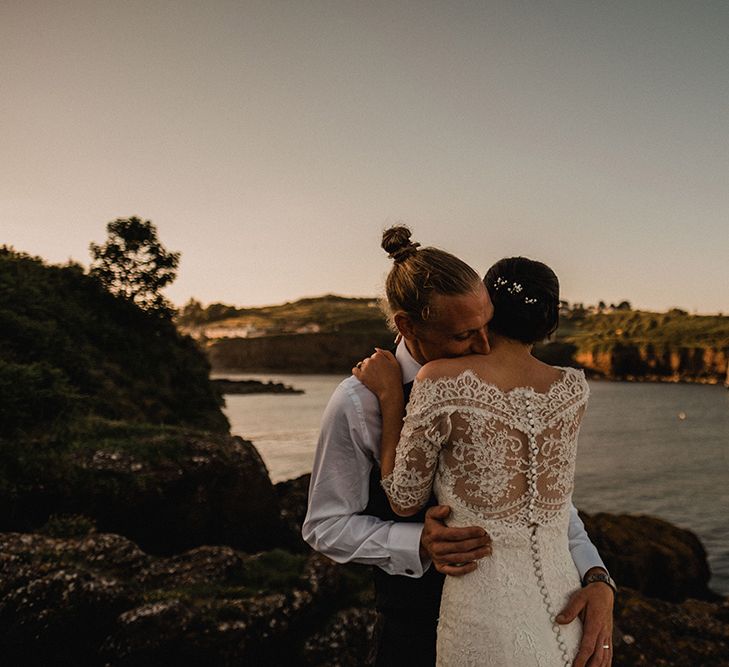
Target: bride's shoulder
(442, 368)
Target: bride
(495, 437)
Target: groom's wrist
(599, 575)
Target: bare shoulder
(446, 367)
(548, 372)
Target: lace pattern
(505, 461)
(476, 439)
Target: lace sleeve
(426, 427)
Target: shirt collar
(408, 365)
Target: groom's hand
(594, 605)
(453, 551)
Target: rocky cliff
(297, 353)
(338, 352)
(656, 363)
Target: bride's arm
(381, 374)
(409, 450)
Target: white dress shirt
(348, 447)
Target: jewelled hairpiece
(514, 288)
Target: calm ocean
(659, 449)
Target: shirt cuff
(404, 546)
(588, 561)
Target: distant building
(233, 332)
(311, 327)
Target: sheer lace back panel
(508, 457)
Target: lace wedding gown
(504, 461)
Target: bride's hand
(380, 373)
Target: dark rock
(99, 600)
(225, 386)
(202, 566)
(651, 556)
(292, 499)
(347, 640)
(260, 630)
(50, 607)
(151, 634)
(207, 489)
(655, 633)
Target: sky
(272, 142)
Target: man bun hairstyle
(397, 244)
(419, 273)
(525, 295)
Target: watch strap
(604, 577)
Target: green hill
(676, 327)
(330, 313)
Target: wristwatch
(600, 576)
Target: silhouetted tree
(134, 264)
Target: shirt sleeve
(339, 491)
(584, 553)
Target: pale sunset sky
(271, 142)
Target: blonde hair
(418, 274)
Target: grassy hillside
(330, 313)
(675, 328)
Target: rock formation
(98, 599)
(201, 489)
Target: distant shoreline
(229, 387)
(591, 375)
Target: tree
(134, 264)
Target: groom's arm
(583, 551)
(339, 491)
(593, 603)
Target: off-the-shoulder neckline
(567, 371)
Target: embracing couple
(449, 465)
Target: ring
(359, 364)
(606, 645)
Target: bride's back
(507, 438)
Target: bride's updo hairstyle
(525, 294)
(420, 273)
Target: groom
(349, 518)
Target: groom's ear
(404, 325)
